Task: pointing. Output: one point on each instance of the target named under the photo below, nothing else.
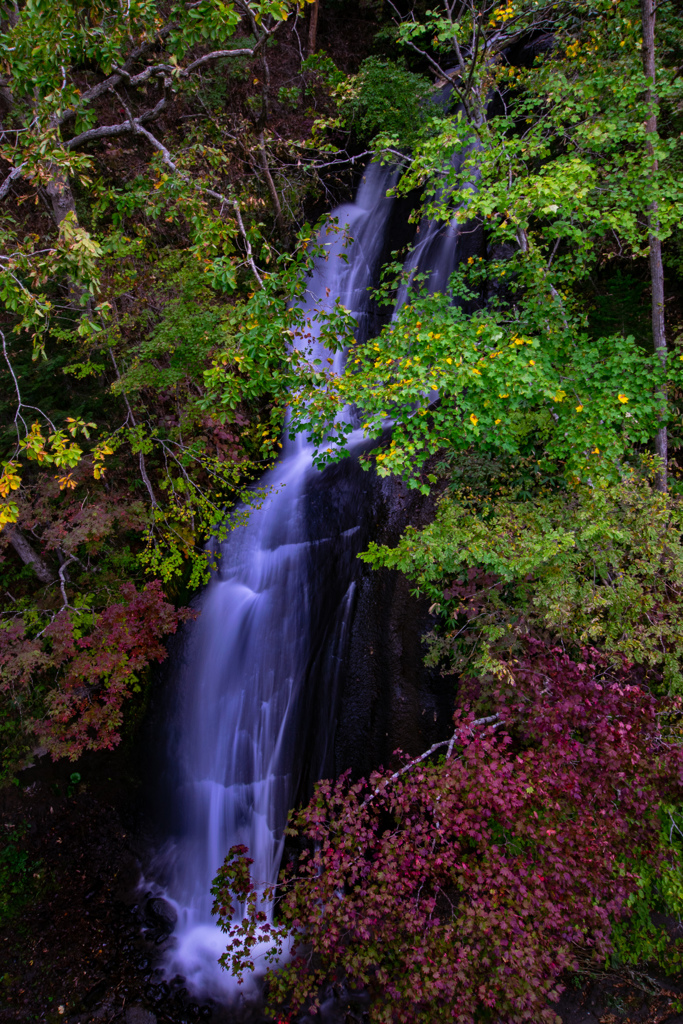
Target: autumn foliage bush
(461, 887)
(84, 665)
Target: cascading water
(435, 253)
(237, 755)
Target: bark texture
(29, 556)
(60, 196)
(648, 8)
(313, 27)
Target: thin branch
(143, 468)
(7, 183)
(108, 131)
(218, 55)
(450, 743)
(20, 404)
(145, 479)
(62, 581)
(245, 239)
(11, 370)
(165, 154)
(279, 220)
(342, 160)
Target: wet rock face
(369, 691)
(161, 914)
(388, 698)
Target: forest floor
(77, 947)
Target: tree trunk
(6, 94)
(60, 195)
(313, 27)
(29, 556)
(656, 266)
(279, 219)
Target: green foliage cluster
(518, 376)
(20, 876)
(386, 100)
(591, 567)
(133, 259)
(636, 938)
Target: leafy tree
(125, 272)
(461, 888)
(557, 162)
(386, 98)
(598, 566)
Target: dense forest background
(164, 166)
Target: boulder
(139, 1015)
(161, 914)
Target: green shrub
(19, 875)
(593, 567)
(387, 99)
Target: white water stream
(242, 688)
(283, 594)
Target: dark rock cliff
(388, 698)
(369, 691)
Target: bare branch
(217, 55)
(342, 160)
(245, 239)
(271, 184)
(7, 183)
(143, 468)
(62, 581)
(146, 480)
(20, 404)
(111, 130)
(144, 76)
(450, 743)
(121, 74)
(166, 156)
(113, 80)
(11, 370)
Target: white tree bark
(656, 265)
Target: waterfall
(241, 690)
(435, 252)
